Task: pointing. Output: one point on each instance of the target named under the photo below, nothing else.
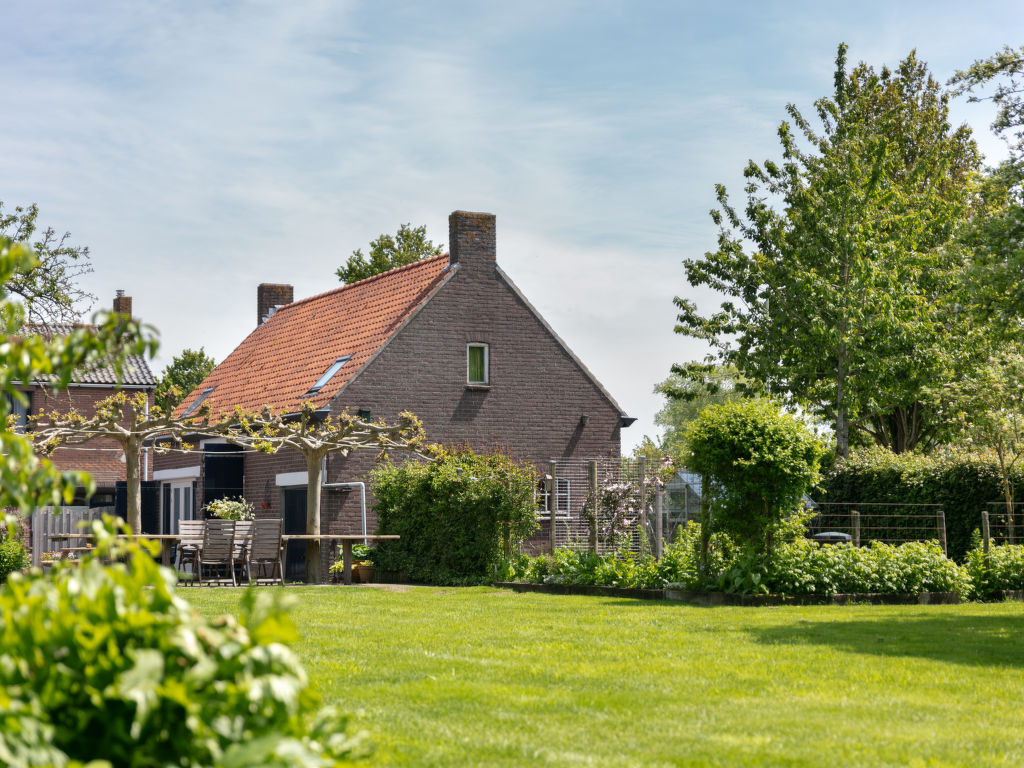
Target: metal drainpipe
(362, 495)
(145, 451)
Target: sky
(201, 148)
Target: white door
(179, 497)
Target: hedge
(963, 484)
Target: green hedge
(963, 483)
(458, 516)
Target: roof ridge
(364, 281)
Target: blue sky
(202, 148)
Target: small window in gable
(477, 363)
(197, 402)
(329, 374)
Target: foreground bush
(799, 567)
(1002, 569)
(459, 516)
(13, 555)
(106, 662)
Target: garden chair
(265, 552)
(218, 548)
(189, 546)
(243, 540)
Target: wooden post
(985, 532)
(594, 500)
(642, 466)
(552, 504)
(855, 523)
(942, 530)
(659, 523)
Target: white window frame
(14, 408)
(487, 362)
(563, 498)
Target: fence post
(942, 530)
(855, 520)
(659, 524)
(593, 495)
(985, 531)
(642, 467)
(1010, 532)
(552, 504)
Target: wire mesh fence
(1002, 524)
(887, 523)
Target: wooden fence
(44, 523)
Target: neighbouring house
(450, 338)
(103, 459)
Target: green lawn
(488, 677)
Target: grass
(488, 677)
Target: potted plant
(363, 569)
(231, 509)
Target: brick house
(450, 338)
(100, 458)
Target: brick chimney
(270, 297)
(471, 239)
(122, 303)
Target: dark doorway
(224, 472)
(295, 523)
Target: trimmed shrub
(963, 483)
(757, 463)
(459, 517)
(13, 556)
(107, 663)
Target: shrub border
(722, 598)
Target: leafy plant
(105, 662)
(1001, 569)
(459, 517)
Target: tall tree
(386, 252)
(184, 373)
(839, 288)
(49, 289)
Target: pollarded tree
(315, 436)
(128, 420)
(26, 481)
(841, 294)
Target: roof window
(329, 374)
(197, 402)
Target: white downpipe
(362, 494)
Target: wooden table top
(337, 537)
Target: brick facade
(538, 404)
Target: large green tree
(840, 293)
(48, 289)
(184, 373)
(409, 244)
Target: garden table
(165, 539)
(347, 540)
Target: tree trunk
(315, 473)
(133, 485)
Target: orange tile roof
(279, 361)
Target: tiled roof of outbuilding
(135, 371)
(278, 363)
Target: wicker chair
(265, 552)
(243, 541)
(190, 545)
(218, 548)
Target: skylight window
(329, 374)
(197, 402)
